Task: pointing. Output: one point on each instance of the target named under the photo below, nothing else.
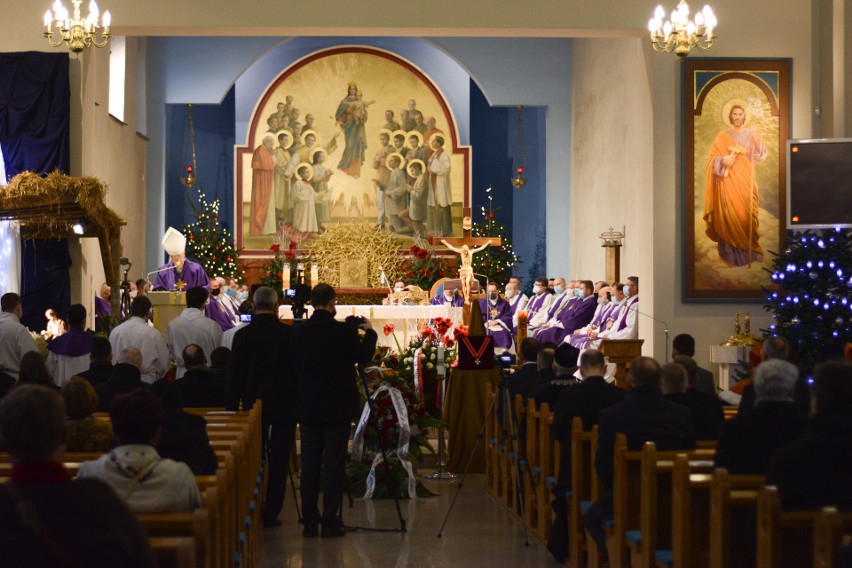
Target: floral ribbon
(417, 369)
(401, 450)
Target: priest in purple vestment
(102, 307)
(497, 317)
(575, 315)
(448, 298)
(179, 273)
(68, 354)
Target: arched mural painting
(350, 135)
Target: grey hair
(776, 348)
(775, 378)
(674, 377)
(265, 299)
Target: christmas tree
(496, 262)
(209, 242)
(811, 308)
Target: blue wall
(214, 157)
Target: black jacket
(262, 367)
(124, 378)
(184, 438)
(644, 416)
(326, 352)
(98, 373)
(706, 409)
(199, 387)
(748, 442)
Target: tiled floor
(479, 532)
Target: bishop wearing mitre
(179, 272)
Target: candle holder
(441, 472)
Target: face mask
(578, 292)
(494, 297)
(602, 301)
(558, 289)
(537, 290)
(614, 301)
(398, 289)
(510, 293)
(626, 290)
(215, 292)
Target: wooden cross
(472, 242)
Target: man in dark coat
(816, 469)
(528, 370)
(644, 416)
(564, 367)
(199, 387)
(125, 377)
(326, 352)
(748, 441)
(544, 364)
(706, 409)
(69, 522)
(100, 362)
(183, 435)
(585, 400)
(703, 381)
(262, 368)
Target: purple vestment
(439, 300)
(502, 312)
(217, 313)
(74, 343)
(192, 275)
(575, 315)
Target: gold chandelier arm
(49, 36)
(103, 43)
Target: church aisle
(479, 533)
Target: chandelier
(75, 31)
(680, 34)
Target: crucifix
(464, 244)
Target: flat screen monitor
(819, 183)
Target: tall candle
(285, 276)
(314, 275)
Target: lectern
(167, 306)
(622, 352)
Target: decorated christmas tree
(208, 241)
(496, 262)
(811, 308)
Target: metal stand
(442, 473)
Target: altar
(408, 320)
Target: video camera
(297, 297)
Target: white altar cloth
(407, 319)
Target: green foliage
(496, 262)
(209, 242)
(811, 308)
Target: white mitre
(174, 242)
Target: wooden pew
(787, 538)
(533, 474)
(732, 505)
(832, 532)
(584, 491)
(194, 525)
(655, 503)
(626, 495)
(690, 515)
(493, 482)
(174, 551)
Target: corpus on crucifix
(463, 248)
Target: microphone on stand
(148, 276)
(665, 325)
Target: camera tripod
(508, 439)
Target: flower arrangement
(423, 268)
(274, 269)
(413, 373)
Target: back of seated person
(544, 373)
(749, 441)
(220, 365)
(701, 379)
(707, 421)
(134, 470)
(126, 376)
(199, 387)
(34, 371)
(183, 436)
(706, 408)
(86, 433)
(816, 469)
(87, 524)
(100, 362)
